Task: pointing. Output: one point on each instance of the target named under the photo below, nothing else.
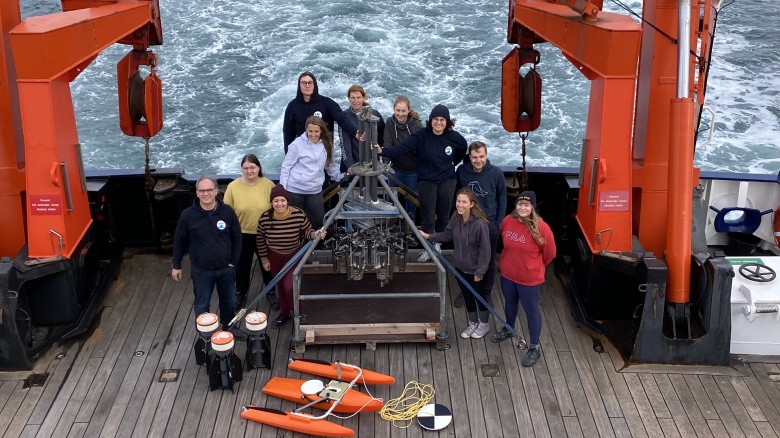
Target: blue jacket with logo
(213, 237)
(489, 186)
(437, 155)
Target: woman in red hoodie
(529, 246)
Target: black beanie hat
(439, 111)
(279, 190)
(527, 196)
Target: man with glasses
(309, 102)
(211, 231)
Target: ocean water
(229, 68)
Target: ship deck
(107, 382)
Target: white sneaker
(469, 330)
(482, 329)
(437, 247)
(424, 257)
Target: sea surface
(229, 68)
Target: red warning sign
(45, 204)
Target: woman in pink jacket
(529, 246)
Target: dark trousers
(203, 282)
(244, 266)
(490, 276)
(311, 205)
(529, 296)
(472, 304)
(284, 288)
(436, 199)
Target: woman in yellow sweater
(249, 196)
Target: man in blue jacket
(211, 231)
(309, 102)
(488, 183)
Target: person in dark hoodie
(350, 146)
(212, 232)
(309, 102)
(468, 230)
(401, 125)
(439, 148)
(488, 184)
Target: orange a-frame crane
(637, 179)
(45, 215)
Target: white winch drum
(222, 341)
(207, 322)
(256, 321)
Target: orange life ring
(777, 226)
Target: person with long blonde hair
(302, 169)
(529, 246)
(468, 231)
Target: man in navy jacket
(211, 231)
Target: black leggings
(244, 267)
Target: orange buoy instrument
(258, 344)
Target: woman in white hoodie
(302, 169)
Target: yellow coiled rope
(404, 409)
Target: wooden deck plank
(623, 395)
(747, 398)
(6, 389)
(688, 404)
(572, 427)
(135, 385)
(77, 430)
(382, 365)
(765, 394)
(654, 396)
(550, 343)
(182, 350)
(642, 404)
(679, 415)
(700, 395)
(717, 428)
(584, 414)
(29, 401)
(587, 379)
(735, 404)
(669, 427)
(487, 392)
(503, 391)
(29, 431)
(77, 397)
(620, 427)
(722, 409)
(12, 405)
(156, 405)
(109, 347)
(766, 429)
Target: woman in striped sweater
(281, 232)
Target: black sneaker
(280, 320)
(303, 318)
(532, 356)
(501, 336)
(238, 334)
(272, 299)
(459, 300)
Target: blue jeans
(203, 282)
(410, 180)
(436, 200)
